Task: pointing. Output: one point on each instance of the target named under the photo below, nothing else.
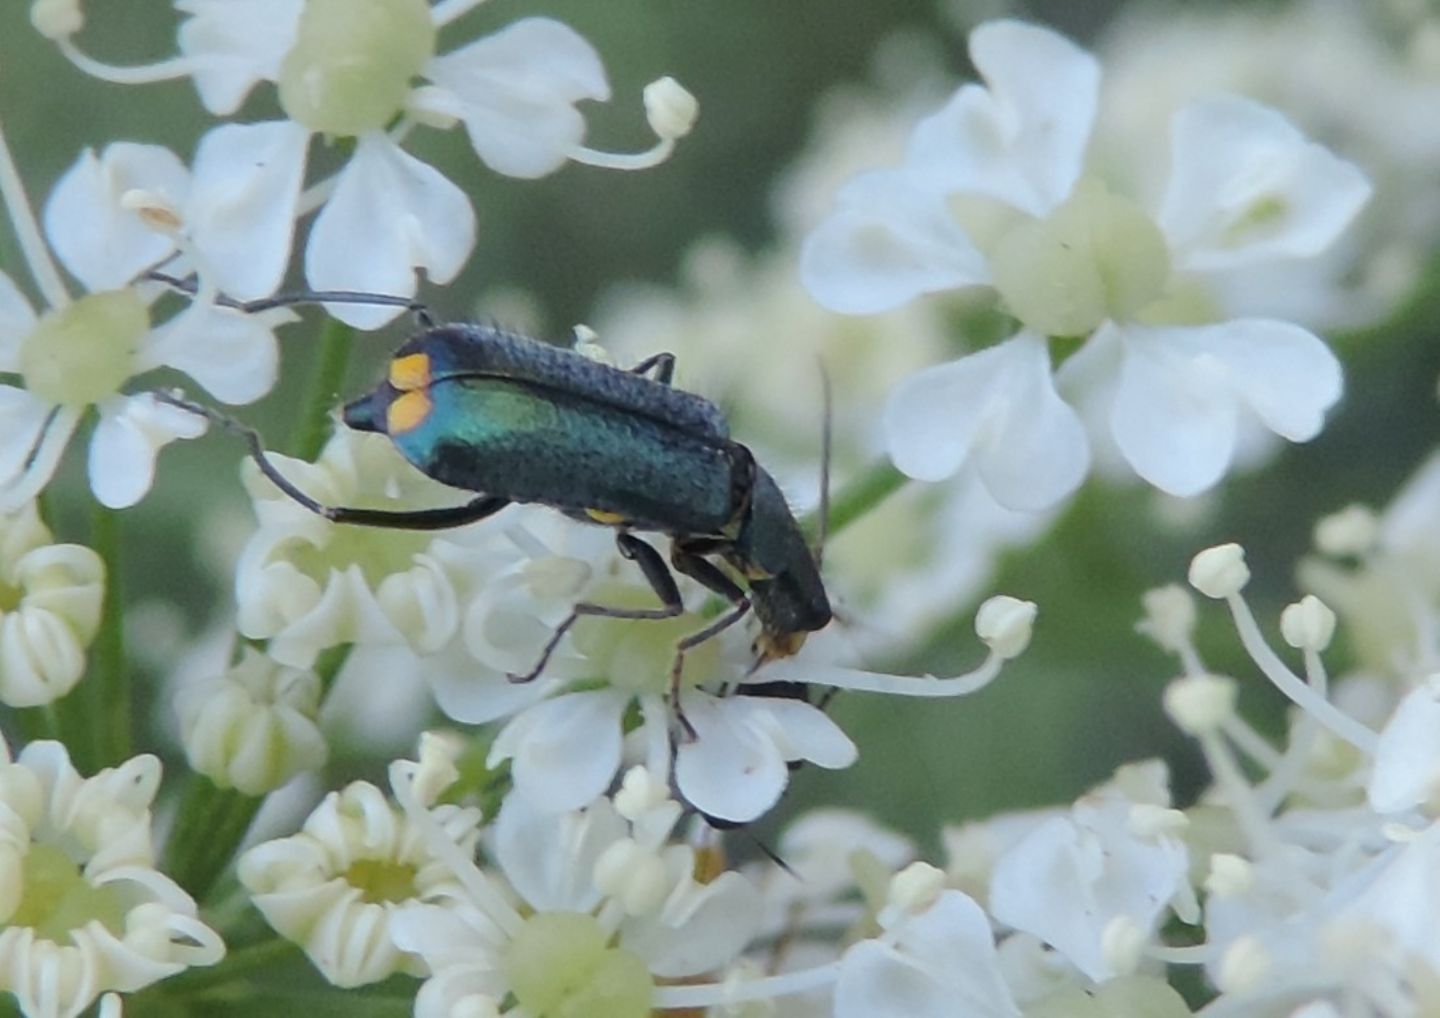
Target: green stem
(112, 700)
(209, 827)
(861, 494)
(94, 719)
(34, 723)
(313, 427)
(271, 953)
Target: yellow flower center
(57, 899)
(1098, 256)
(560, 965)
(353, 61)
(86, 351)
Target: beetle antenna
(281, 300)
(176, 398)
(772, 855)
(822, 530)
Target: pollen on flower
(154, 210)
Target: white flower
(992, 193)
(53, 594)
(609, 908)
(81, 352)
(306, 584)
(84, 909)
(1074, 881)
(254, 728)
(935, 963)
(344, 69)
(337, 887)
(1357, 75)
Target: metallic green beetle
(517, 420)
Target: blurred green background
(1086, 697)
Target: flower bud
(255, 728)
(1220, 572)
(1169, 617)
(1004, 624)
(1230, 875)
(1352, 531)
(669, 108)
(1308, 624)
(1198, 704)
(915, 888)
(57, 19)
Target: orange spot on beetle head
(407, 411)
(410, 372)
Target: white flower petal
(565, 750)
(232, 354)
(550, 857)
(1069, 877)
(732, 769)
(241, 212)
(1021, 139)
(716, 928)
(1407, 756)
(888, 241)
(34, 436)
(1180, 388)
(473, 693)
(1246, 186)
(516, 92)
(390, 214)
(802, 731)
(103, 244)
(999, 406)
(130, 432)
(17, 318)
(943, 964)
(234, 46)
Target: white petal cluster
(254, 728)
(994, 191)
(306, 584)
(109, 218)
(371, 72)
(1357, 75)
(607, 871)
(84, 909)
(50, 599)
(359, 862)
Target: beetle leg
(687, 561)
(413, 519)
(660, 580)
(663, 365)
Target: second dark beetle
(516, 420)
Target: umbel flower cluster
(361, 805)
